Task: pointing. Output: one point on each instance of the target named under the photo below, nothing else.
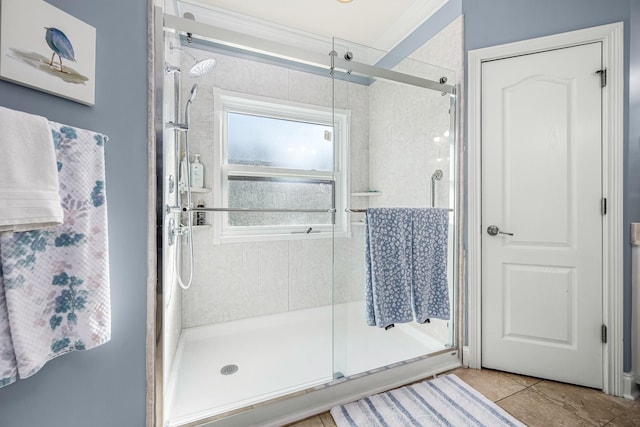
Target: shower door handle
(493, 230)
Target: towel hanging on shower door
(388, 258)
(429, 267)
(406, 265)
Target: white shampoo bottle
(197, 173)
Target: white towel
(29, 197)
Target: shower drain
(229, 369)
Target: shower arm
(174, 47)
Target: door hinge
(604, 334)
(603, 206)
(603, 77)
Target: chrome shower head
(437, 175)
(202, 67)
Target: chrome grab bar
(437, 176)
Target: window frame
(236, 102)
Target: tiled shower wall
(240, 280)
(391, 140)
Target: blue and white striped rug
(444, 401)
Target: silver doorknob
(493, 230)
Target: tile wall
(240, 280)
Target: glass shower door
(401, 155)
(256, 323)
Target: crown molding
(397, 32)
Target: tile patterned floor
(536, 402)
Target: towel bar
(364, 210)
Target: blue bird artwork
(60, 44)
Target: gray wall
(104, 386)
(494, 22)
(632, 170)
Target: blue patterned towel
(388, 259)
(406, 265)
(54, 282)
(430, 282)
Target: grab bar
(437, 176)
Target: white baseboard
(630, 389)
(465, 356)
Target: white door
(541, 181)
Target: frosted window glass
(270, 142)
(249, 192)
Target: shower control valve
(174, 230)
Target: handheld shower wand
(192, 96)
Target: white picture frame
(59, 61)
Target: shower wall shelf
(367, 194)
(196, 227)
(197, 190)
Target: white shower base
(280, 354)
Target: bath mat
(444, 401)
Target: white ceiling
(376, 23)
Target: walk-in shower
(263, 297)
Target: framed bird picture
(45, 48)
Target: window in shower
(280, 155)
